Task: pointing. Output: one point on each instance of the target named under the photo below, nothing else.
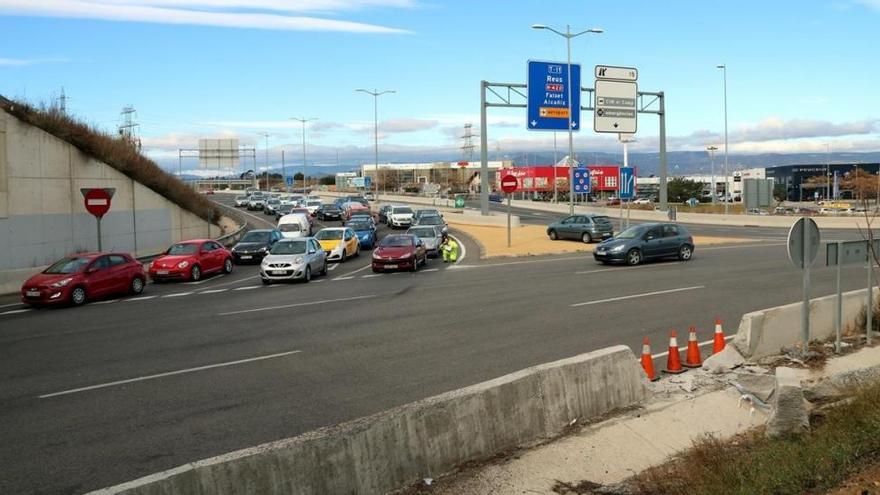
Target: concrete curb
(395, 448)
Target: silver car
(293, 259)
(431, 237)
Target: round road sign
(803, 242)
(509, 183)
(463, 164)
(97, 202)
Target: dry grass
(847, 439)
(114, 152)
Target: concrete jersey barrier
(395, 448)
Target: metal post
(805, 309)
(484, 153)
(664, 169)
(570, 134)
(284, 172)
(869, 309)
(726, 151)
(556, 160)
(508, 219)
(179, 166)
(620, 186)
(99, 233)
(714, 188)
(838, 323)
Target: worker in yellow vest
(449, 248)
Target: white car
(400, 216)
(312, 205)
(642, 201)
(256, 203)
(293, 259)
(241, 201)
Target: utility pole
(284, 172)
(266, 135)
(376, 94)
(128, 129)
(712, 149)
(723, 67)
(303, 121)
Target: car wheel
(227, 266)
(307, 277)
(633, 257)
(78, 296)
(266, 281)
(415, 267)
(357, 250)
(587, 238)
(685, 252)
(137, 285)
(376, 270)
(324, 269)
(195, 273)
(344, 256)
(553, 235)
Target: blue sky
(800, 73)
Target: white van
(294, 225)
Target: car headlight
(62, 283)
(405, 257)
(617, 249)
(298, 261)
(263, 249)
(376, 256)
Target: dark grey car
(647, 241)
(583, 227)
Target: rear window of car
(359, 225)
(289, 227)
(602, 220)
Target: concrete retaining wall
(764, 333)
(395, 448)
(42, 216)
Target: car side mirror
(312, 251)
(92, 270)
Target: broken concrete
(724, 361)
(759, 385)
(789, 413)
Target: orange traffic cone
(693, 359)
(718, 344)
(647, 360)
(673, 362)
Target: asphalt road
(115, 390)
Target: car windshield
(329, 235)
(359, 225)
(256, 237)
(402, 210)
(182, 248)
(289, 227)
(68, 265)
(423, 232)
(631, 233)
(287, 247)
(430, 220)
(313, 203)
(240, 198)
(396, 241)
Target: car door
(653, 243)
(348, 239)
(120, 273)
(315, 255)
(99, 277)
(671, 240)
(566, 228)
(583, 224)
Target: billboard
(220, 154)
(602, 177)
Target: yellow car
(339, 243)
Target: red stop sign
(463, 164)
(509, 183)
(97, 201)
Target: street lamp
(568, 35)
(726, 154)
(303, 121)
(376, 94)
(266, 135)
(712, 149)
(828, 172)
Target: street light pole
(712, 149)
(828, 172)
(726, 154)
(303, 121)
(568, 36)
(376, 94)
(266, 135)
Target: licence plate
(279, 272)
(161, 272)
(33, 293)
(390, 266)
(246, 257)
(600, 251)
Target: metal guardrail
(226, 240)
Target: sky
(801, 74)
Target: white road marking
(431, 270)
(360, 269)
(332, 267)
(111, 301)
(199, 282)
(342, 278)
(237, 281)
(212, 291)
(506, 263)
(463, 252)
(600, 270)
(168, 373)
(177, 294)
(273, 286)
(10, 305)
(701, 344)
(296, 305)
(319, 281)
(15, 311)
(634, 296)
(371, 275)
(698, 248)
(142, 298)
(249, 287)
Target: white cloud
(396, 126)
(20, 62)
(873, 4)
(218, 13)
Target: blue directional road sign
(288, 180)
(581, 180)
(627, 183)
(368, 182)
(548, 96)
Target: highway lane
(364, 344)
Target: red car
(399, 252)
(190, 260)
(76, 278)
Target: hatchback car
(339, 243)
(647, 241)
(256, 202)
(431, 221)
(431, 237)
(365, 230)
(79, 277)
(190, 260)
(400, 216)
(399, 252)
(383, 213)
(329, 212)
(586, 228)
(241, 201)
(271, 205)
(293, 259)
(254, 245)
